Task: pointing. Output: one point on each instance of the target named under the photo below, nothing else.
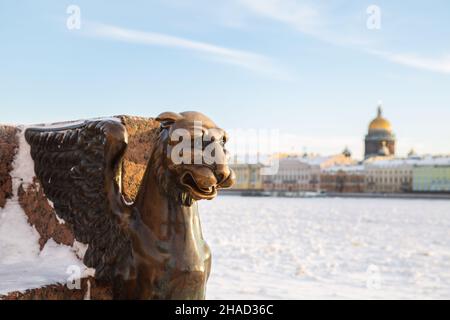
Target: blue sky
(311, 69)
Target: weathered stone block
(8, 148)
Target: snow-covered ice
(330, 248)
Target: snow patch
(87, 295)
(18, 239)
(23, 165)
(66, 125)
(60, 220)
(80, 248)
(22, 265)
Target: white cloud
(311, 19)
(441, 65)
(306, 17)
(245, 59)
(302, 16)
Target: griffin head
(195, 155)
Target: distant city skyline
(313, 70)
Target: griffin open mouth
(197, 192)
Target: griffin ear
(168, 118)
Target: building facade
(293, 175)
(389, 175)
(343, 179)
(248, 176)
(432, 177)
(302, 173)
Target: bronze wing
(79, 168)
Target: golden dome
(380, 123)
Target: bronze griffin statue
(152, 248)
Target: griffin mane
(165, 178)
(158, 162)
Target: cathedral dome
(380, 140)
(380, 123)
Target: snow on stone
(327, 248)
(60, 220)
(18, 240)
(69, 124)
(87, 295)
(80, 248)
(23, 165)
(22, 265)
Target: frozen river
(332, 248)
